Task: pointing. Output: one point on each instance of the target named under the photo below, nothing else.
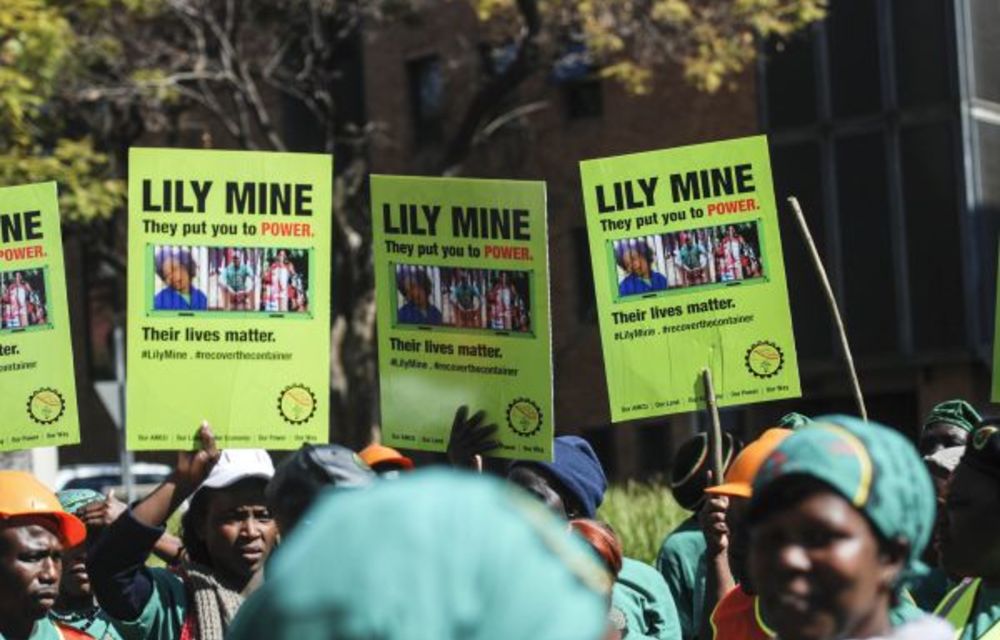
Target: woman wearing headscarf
(947, 425)
(840, 514)
(970, 545)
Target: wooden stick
(832, 301)
(715, 430)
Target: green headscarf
(954, 412)
(873, 467)
(72, 500)
(434, 555)
(794, 421)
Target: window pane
(869, 301)
(934, 255)
(426, 83)
(923, 54)
(797, 172)
(854, 59)
(791, 82)
(986, 48)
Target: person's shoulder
(637, 575)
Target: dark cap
(982, 452)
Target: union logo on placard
(524, 417)
(46, 405)
(296, 404)
(764, 359)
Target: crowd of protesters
(821, 529)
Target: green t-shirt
(236, 277)
(94, 623)
(691, 256)
(642, 595)
(45, 629)
(681, 562)
(163, 615)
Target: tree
(83, 80)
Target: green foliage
(642, 515)
(37, 51)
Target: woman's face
(176, 275)
(238, 530)
(819, 572)
(968, 544)
(636, 263)
(941, 435)
(415, 293)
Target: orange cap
(21, 494)
(375, 454)
(739, 478)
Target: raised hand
(470, 439)
(194, 466)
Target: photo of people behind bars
(269, 280)
(497, 300)
(712, 255)
(23, 299)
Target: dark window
(923, 54)
(426, 79)
(797, 173)
(791, 85)
(854, 58)
(933, 236)
(988, 142)
(869, 300)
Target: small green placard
(229, 297)
(461, 281)
(689, 275)
(37, 383)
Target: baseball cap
(739, 478)
(239, 464)
(21, 494)
(376, 454)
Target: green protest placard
(689, 275)
(37, 384)
(228, 297)
(461, 279)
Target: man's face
(75, 581)
(239, 531)
(968, 544)
(941, 435)
(535, 483)
(17, 277)
(237, 259)
(30, 567)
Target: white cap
(239, 464)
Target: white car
(104, 477)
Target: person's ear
(892, 558)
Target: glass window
(797, 172)
(852, 29)
(933, 236)
(791, 81)
(869, 299)
(986, 48)
(426, 83)
(923, 54)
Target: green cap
(872, 466)
(72, 500)
(435, 555)
(954, 412)
(794, 421)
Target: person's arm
(116, 562)
(718, 578)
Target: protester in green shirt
(840, 514)
(34, 530)
(228, 534)
(573, 486)
(681, 560)
(437, 555)
(970, 545)
(236, 280)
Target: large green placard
(461, 280)
(37, 384)
(228, 297)
(689, 275)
